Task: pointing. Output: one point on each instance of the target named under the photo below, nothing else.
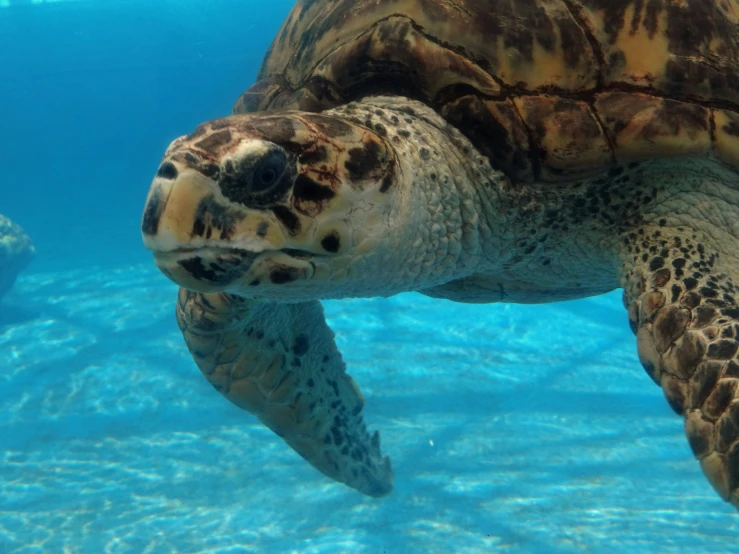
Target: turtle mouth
(200, 252)
(204, 269)
(220, 252)
(216, 269)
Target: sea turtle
(16, 252)
(474, 150)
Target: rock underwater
(16, 252)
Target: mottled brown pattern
(681, 48)
(727, 136)
(527, 32)
(641, 126)
(313, 157)
(687, 330)
(570, 140)
(497, 129)
(279, 362)
(263, 93)
(383, 56)
(585, 52)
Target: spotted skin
(204, 195)
(682, 305)
(254, 354)
(555, 149)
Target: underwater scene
(515, 419)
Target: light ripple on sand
(512, 428)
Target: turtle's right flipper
(280, 362)
(686, 324)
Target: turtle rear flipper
(682, 296)
(280, 362)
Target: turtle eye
(258, 181)
(268, 171)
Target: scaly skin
(383, 196)
(279, 361)
(682, 307)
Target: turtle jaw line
(213, 269)
(201, 251)
(212, 251)
(297, 253)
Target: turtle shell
(549, 90)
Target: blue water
(511, 428)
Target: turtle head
(279, 206)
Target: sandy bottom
(511, 429)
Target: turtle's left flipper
(279, 361)
(682, 295)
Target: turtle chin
(204, 269)
(236, 271)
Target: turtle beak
(173, 198)
(169, 228)
(205, 269)
(185, 209)
(205, 243)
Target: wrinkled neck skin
(436, 221)
(455, 218)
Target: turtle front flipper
(280, 362)
(682, 296)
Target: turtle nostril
(167, 171)
(152, 213)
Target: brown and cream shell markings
(549, 90)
